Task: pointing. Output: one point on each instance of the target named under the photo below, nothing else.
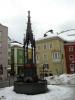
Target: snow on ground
(55, 93)
(62, 79)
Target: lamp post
(51, 31)
(9, 78)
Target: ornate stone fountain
(28, 82)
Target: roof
(16, 43)
(50, 37)
(3, 25)
(70, 43)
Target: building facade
(9, 56)
(3, 51)
(17, 58)
(50, 57)
(69, 48)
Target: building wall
(16, 58)
(70, 56)
(4, 49)
(9, 55)
(47, 50)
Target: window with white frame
(70, 48)
(72, 67)
(37, 58)
(71, 57)
(56, 56)
(50, 46)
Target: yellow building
(50, 57)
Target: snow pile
(72, 79)
(62, 79)
(53, 80)
(55, 93)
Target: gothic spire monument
(28, 82)
(30, 73)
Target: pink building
(3, 51)
(69, 48)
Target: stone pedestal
(31, 88)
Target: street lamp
(51, 31)
(9, 78)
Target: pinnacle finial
(29, 13)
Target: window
(45, 57)
(70, 48)
(36, 57)
(0, 36)
(56, 56)
(38, 47)
(9, 62)
(45, 46)
(72, 67)
(1, 69)
(71, 57)
(45, 66)
(20, 53)
(50, 46)
(21, 61)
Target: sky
(58, 15)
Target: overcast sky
(58, 15)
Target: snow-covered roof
(50, 37)
(68, 35)
(15, 43)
